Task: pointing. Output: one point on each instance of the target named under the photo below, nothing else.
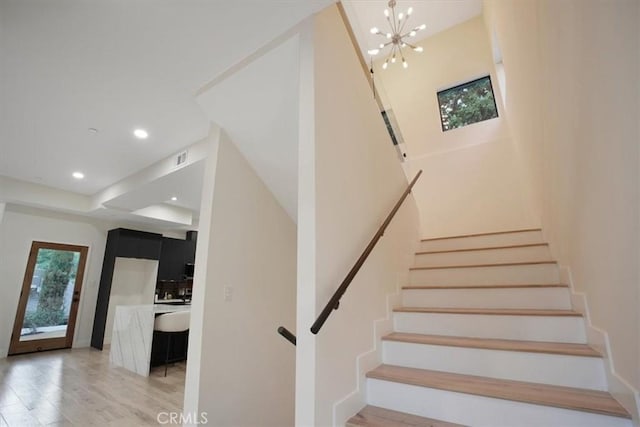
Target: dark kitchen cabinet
(176, 253)
(172, 255)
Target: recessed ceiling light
(78, 175)
(174, 198)
(141, 133)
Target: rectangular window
(392, 127)
(468, 103)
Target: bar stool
(171, 324)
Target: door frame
(16, 346)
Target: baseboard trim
(624, 392)
(81, 344)
(353, 402)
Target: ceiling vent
(181, 158)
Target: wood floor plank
(593, 401)
(488, 248)
(481, 234)
(503, 264)
(373, 416)
(567, 349)
(79, 388)
(525, 286)
(491, 311)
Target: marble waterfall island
(133, 335)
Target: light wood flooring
(78, 388)
(372, 416)
(598, 402)
(570, 349)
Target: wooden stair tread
(533, 285)
(481, 234)
(568, 349)
(502, 264)
(493, 311)
(481, 248)
(593, 401)
(373, 416)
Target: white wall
(244, 371)
(134, 282)
(19, 227)
(572, 75)
(349, 179)
(472, 182)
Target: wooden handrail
(287, 335)
(335, 299)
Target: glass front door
(46, 315)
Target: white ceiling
(258, 109)
(115, 65)
(437, 15)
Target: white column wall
(350, 178)
(242, 371)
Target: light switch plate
(228, 293)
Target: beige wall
(572, 78)
(245, 371)
(20, 226)
(472, 182)
(349, 180)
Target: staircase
(486, 336)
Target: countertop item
(133, 335)
(173, 302)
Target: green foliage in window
(60, 267)
(466, 104)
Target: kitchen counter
(133, 335)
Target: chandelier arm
(403, 24)
(390, 23)
(386, 62)
(392, 54)
(395, 20)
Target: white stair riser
(528, 328)
(495, 275)
(505, 239)
(555, 369)
(479, 411)
(543, 298)
(486, 256)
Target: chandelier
(398, 36)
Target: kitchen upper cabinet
(173, 257)
(138, 244)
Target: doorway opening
(48, 306)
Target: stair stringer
(618, 387)
(353, 402)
